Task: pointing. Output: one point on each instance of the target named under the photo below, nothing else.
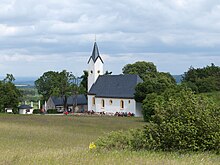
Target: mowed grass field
(42, 139)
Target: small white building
(110, 93)
(8, 110)
(25, 109)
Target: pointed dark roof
(25, 107)
(95, 54)
(81, 100)
(115, 86)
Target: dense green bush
(148, 106)
(121, 140)
(52, 111)
(215, 96)
(202, 80)
(181, 121)
(185, 121)
(149, 103)
(36, 111)
(154, 83)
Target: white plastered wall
(90, 103)
(115, 106)
(94, 70)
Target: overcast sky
(38, 36)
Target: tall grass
(40, 139)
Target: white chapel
(110, 93)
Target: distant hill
(29, 81)
(25, 81)
(178, 78)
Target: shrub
(181, 121)
(206, 79)
(52, 111)
(121, 140)
(148, 106)
(36, 111)
(185, 121)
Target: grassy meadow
(42, 139)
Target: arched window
(93, 101)
(122, 104)
(110, 102)
(103, 103)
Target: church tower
(95, 66)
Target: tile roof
(81, 100)
(115, 86)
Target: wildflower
(92, 146)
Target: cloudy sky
(38, 36)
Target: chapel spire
(95, 53)
(95, 66)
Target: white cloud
(7, 30)
(40, 32)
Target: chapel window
(103, 103)
(122, 104)
(93, 101)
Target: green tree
(153, 81)
(56, 83)
(9, 95)
(206, 79)
(157, 84)
(84, 83)
(140, 68)
(47, 83)
(9, 78)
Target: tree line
(154, 83)
(177, 116)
